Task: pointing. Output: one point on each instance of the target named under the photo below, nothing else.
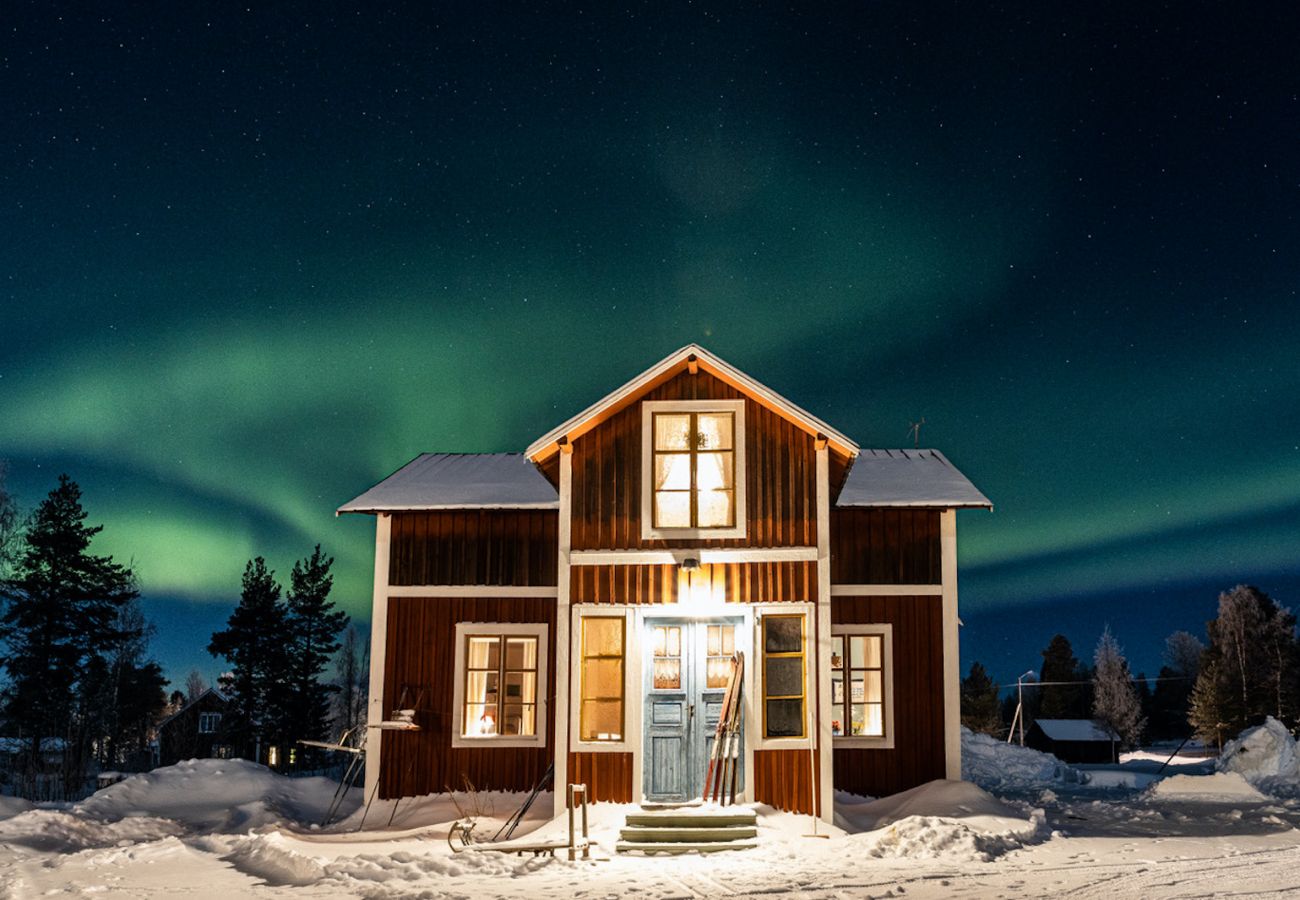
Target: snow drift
(997, 765)
(1221, 787)
(942, 819)
(1265, 751)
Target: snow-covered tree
(195, 685)
(980, 709)
(1115, 700)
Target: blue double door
(687, 666)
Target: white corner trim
(703, 555)
(631, 649)
(472, 590)
(822, 662)
(886, 590)
(489, 629)
(885, 742)
(378, 649)
(648, 409)
(951, 645)
(563, 669)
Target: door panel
(687, 664)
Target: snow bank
(12, 806)
(212, 795)
(953, 820)
(1265, 751)
(997, 765)
(1222, 787)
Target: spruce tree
(980, 709)
(313, 626)
(59, 625)
(1116, 704)
(1062, 701)
(256, 644)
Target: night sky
(253, 260)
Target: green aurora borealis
(251, 265)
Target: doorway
(687, 666)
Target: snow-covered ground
(1029, 826)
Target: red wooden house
(578, 604)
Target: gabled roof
(908, 478)
(459, 481)
(216, 693)
(1074, 730)
(669, 366)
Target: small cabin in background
(1073, 740)
(579, 605)
(200, 729)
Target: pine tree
(59, 625)
(11, 525)
(980, 709)
(1062, 701)
(256, 643)
(314, 626)
(1115, 700)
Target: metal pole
(1020, 701)
(572, 854)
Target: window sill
(862, 741)
(461, 741)
(623, 746)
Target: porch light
(695, 584)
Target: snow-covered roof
(908, 478)
(213, 691)
(671, 365)
(459, 481)
(1074, 730)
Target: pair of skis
(724, 759)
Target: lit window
(860, 682)
(600, 716)
(693, 468)
(721, 646)
(784, 685)
(668, 657)
(500, 685)
(209, 722)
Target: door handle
(690, 711)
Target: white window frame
(209, 717)
(507, 629)
(631, 740)
(885, 742)
(759, 691)
(648, 410)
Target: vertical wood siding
(918, 753)
(780, 476)
(608, 776)
(421, 656)
(885, 546)
(475, 546)
(769, 582)
(782, 779)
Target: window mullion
(694, 457)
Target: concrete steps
(689, 830)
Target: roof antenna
(914, 429)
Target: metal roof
(459, 481)
(1074, 730)
(908, 478)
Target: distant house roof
(213, 691)
(908, 478)
(1074, 730)
(459, 481)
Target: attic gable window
(693, 468)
